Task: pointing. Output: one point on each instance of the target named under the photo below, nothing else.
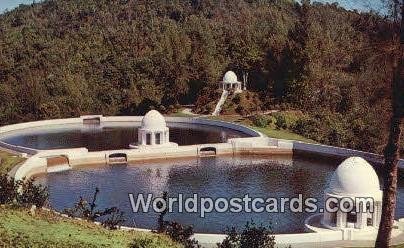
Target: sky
(11, 4)
(361, 5)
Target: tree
(391, 152)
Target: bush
(112, 217)
(32, 194)
(8, 189)
(307, 127)
(22, 192)
(261, 121)
(181, 234)
(153, 242)
(237, 99)
(115, 218)
(241, 110)
(252, 236)
(280, 121)
(177, 232)
(143, 243)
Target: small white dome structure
(230, 82)
(153, 132)
(354, 195)
(230, 77)
(153, 120)
(354, 177)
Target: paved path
(334, 244)
(188, 111)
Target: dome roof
(154, 120)
(354, 177)
(230, 77)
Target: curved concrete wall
(135, 119)
(259, 143)
(338, 152)
(79, 156)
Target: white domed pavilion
(153, 131)
(353, 179)
(230, 82)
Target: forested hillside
(64, 58)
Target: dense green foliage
(253, 235)
(23, 193)
(63, 58)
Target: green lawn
(269, 131)
(19, 229)
(179, 113)
(8, 161)
(282, 134)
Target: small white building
(230, 82)
(153, 132)
(354, 179)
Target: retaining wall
(110, 119)
(338, 152)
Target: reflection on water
(208, 177)
(214, 177)
(112, 136)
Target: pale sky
(11, 4)
(349, 4)
(360, 5)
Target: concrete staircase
(219, 105)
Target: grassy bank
(19, 229)
(270, 130)
(8, 161)
(281, 134)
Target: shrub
(32, 194)
(22, 192)
(112, 217)
(177, 232)
(280, 121)
(181, 234)
(306, 127)
(165, 110)
(241, 110)
(143, 243)
(252, 236)
(153, 242)
(8, 189)
(261, 121)
(115, 218)
(237, 99)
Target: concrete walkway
(398, 240)
(188, 111)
